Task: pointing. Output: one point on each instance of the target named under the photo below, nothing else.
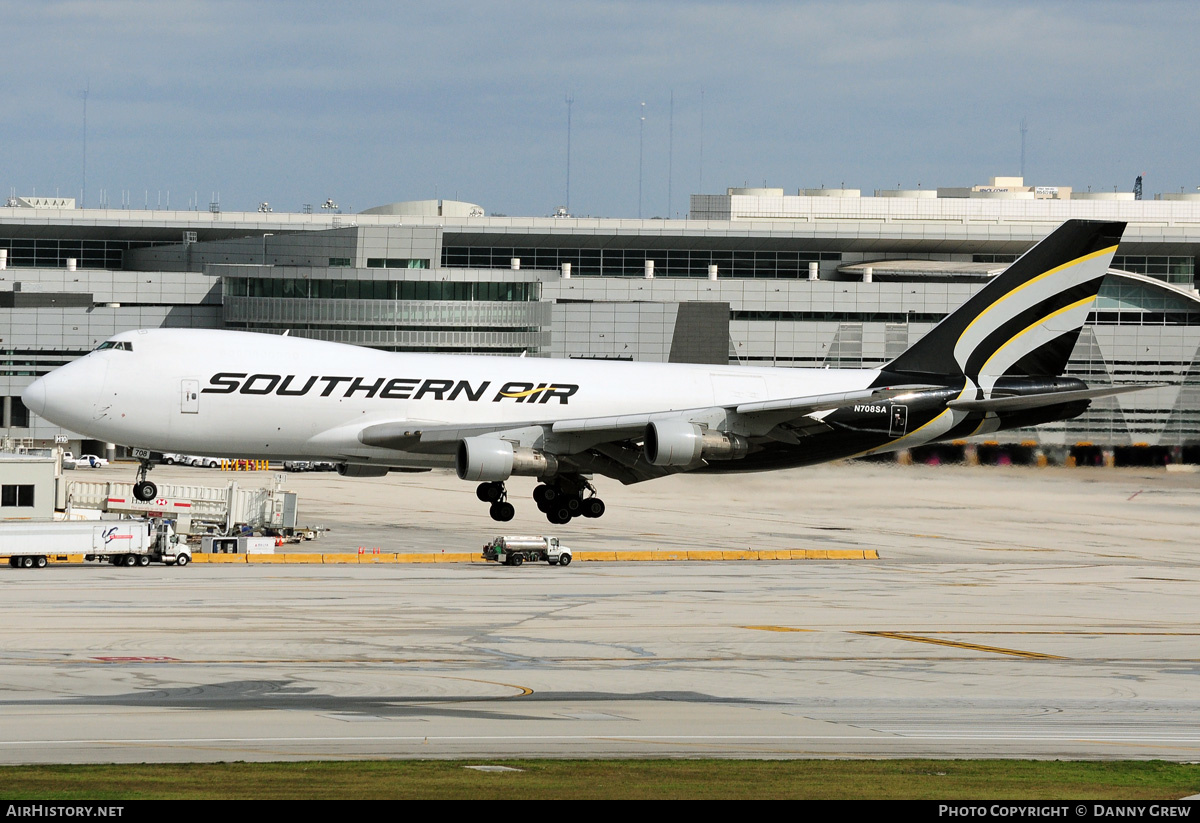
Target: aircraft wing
(611, 445)
(433, 439)
(755, 414)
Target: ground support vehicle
(29, 545)
(238, 544)
(514, 551)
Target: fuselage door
(899, 421)
(190, 397)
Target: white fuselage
(265, 396)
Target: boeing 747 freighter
(994, 363)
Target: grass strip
(609, 779)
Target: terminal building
(822, 278)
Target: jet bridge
(222, 509)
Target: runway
(1035, 614)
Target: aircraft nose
(34, 396)
(68, 395)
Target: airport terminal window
(1126, 303)
(52, 253)
(1171, 268)
(286, 287)
(16, 496)
(18, 413)
(681, 262)
(396, 263)
(34, 362)
(834, 316)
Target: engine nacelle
(680, 443)
(491, 459)
(360, 470)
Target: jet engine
(491, 459)
(680, 443)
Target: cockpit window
(123, 345)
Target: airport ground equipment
(515, 550)
(239, 544)
(224, 509)
(139, 542)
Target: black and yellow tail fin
(1026, 320)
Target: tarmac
(1011, 612)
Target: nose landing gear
(143, 489)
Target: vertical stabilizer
(1026, 320)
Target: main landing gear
(143, 489)
(497, 495)
(560, 500)
(564, 499)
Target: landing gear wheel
(502, 512)
(593, 507)
(559, 515)
(143, 489)
(490, 492)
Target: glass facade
(1137, 304)
(617, 262)
(396, 263)
(419, 316)
(35, 362)
(53, 253)
(305, 288)
(1171, 268)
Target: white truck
(514, 551)
(29, 545)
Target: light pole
(641, 143)
(570, 100)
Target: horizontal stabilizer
(1037, 401)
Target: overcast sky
(373, 102)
